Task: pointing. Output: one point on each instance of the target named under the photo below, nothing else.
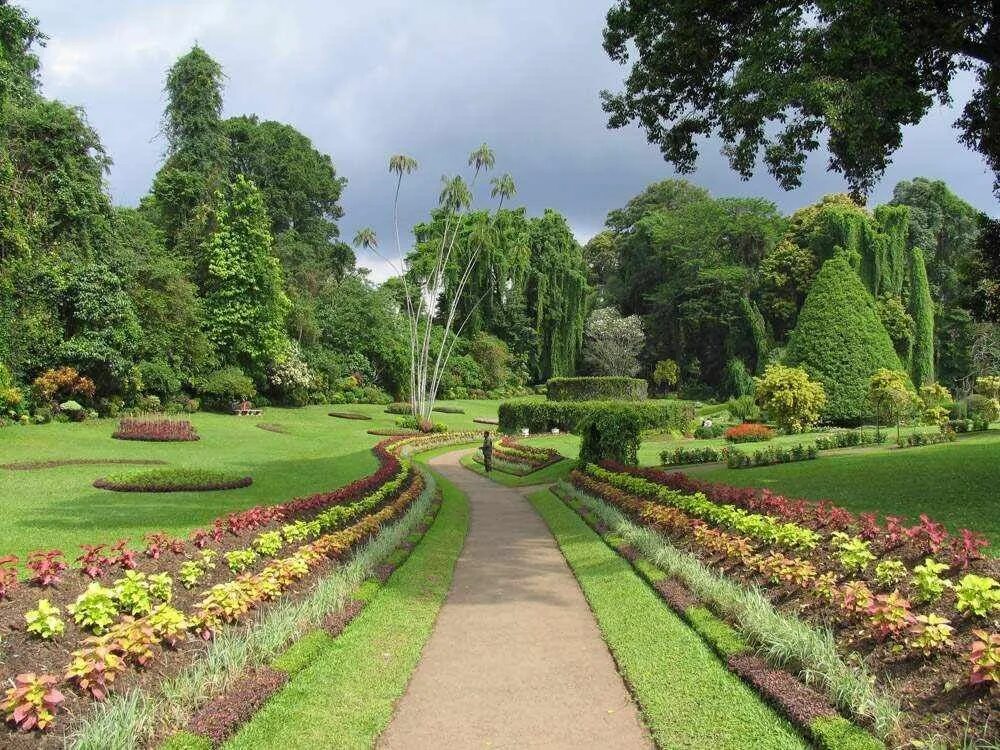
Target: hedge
(770, 456)
(596, 388)
(542, 416)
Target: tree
(840, 341)
(787, 394)
(612, 343)
(771, 78)
(922, 369)
(425, 278)
(245, 304)
(667, 373)
(889, 394)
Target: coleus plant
(46, 566)
(8, 575)
(929, 633)
(93, 561)
(32, 702)
(95, 666)
(985, 658)
(889, 614)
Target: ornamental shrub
(597, 388)
(840, 341)
(542, 416)
(611, 435)
(790, 397)
(220, 388)
(744, 409)
(748, 432)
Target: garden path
(516, 658)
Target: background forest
(230, 279)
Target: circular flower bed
(172, 480)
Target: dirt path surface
(516, 658)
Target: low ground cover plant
(889, 590)
(155, 429)
(173, 479)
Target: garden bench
(245, 409)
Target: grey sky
(432, 79)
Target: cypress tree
(922, 311)
(245, 303)
(840, 341)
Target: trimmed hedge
(682, 456)
(840, 341)
(770, 456)
(926, 438)
(542, 416)
(597, 388)
(850, 439)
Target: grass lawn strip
(354, 681)
(812, 713)
(687, 697)
(131, 719)
(546, 475)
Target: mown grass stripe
(687, 697)
(345, 698)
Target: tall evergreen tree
(922, 310)
(245, 302)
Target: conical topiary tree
(840, 341)
(922, 310)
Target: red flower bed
(748, 432)
(155, 430)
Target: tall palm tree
(455, 194)
(366, 238)
(503, 187)
(483, 159)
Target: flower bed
(119, 609)
(916, 603)
(155, 429)
(520, 460)
(350, 415)
(748, 432)
(172, 480)
(35, 465)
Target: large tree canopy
(771, 78)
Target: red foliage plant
(32, 702)
(155, 430)
(8, 575)
(46, 566)
(93, 561)
(748, 432)
(985, 658)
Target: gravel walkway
(516, 658)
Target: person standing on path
(487, 451)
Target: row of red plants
(155, 429)
(748, 432)
(879, 611)
(888, 534)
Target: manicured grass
(58, 507)
(345, 698)
(688, 698)
(955, 483)
(547, 475)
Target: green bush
(707, 432)
(597, 388)
(849, 439)
(159, 378)
(770, 456)
(745, 409)
(840, 341)
(220, 388)
(681, 456)
(926, 438)
(610, 435)
(542, 416)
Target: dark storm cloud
(431, 79)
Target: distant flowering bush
(748, 432)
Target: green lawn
(345, 698)
(58, 507)
(957, 483)
(687, 696)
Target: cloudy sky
(432, 79)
